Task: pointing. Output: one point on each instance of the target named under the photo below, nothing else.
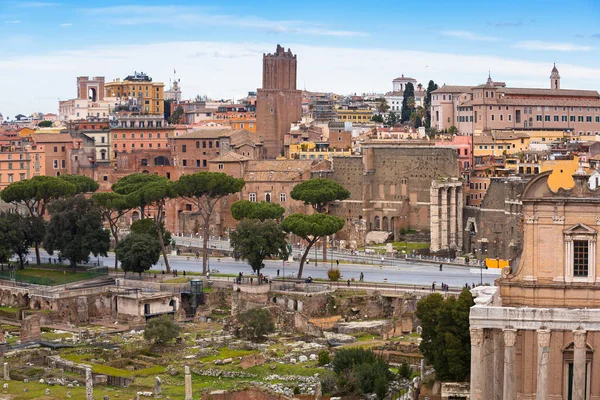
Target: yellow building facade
(147, 96)
(356, 115)
(309, 151)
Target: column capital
(579, 339)
(476, 336)
(543, 337)
(510, 337)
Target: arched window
(161, 161)
(268, 197)
(135, 216)
(385, 224)
(377, 225)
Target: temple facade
(535, 334)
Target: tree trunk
(303, 259)
(162, 245)
(116, 258)
(324, 241)
(74, 265)
(37, 254)
(205, 245)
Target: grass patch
(225, 352)
(182, 279)
(9, 309)
(46, 276)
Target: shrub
(296, 390)
(324, 357)
(334, 274)
(161, 329)
(360, 372)
(405, 371)
(256, 323)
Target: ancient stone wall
(496, 228)
(390, 187)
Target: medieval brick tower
(278, 102)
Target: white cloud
(179, 16)
(552, 46)
(12, 22)
(65, 25)
(469, 36)
(230, 70)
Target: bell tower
(555, 78)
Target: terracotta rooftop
(210, 133)
(51, 138)
(453, 89)
(230, 156)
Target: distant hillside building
(493, 105)
(278, 102)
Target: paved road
(411, 273)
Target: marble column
(459, 216)
(510, 382)
(188, 384)
(477, 378)
(543, 371)
(434, 222)
(444, 218)
(89, 384)
(6, 372)
(452, 242)
(579, 339)
(488, 364)
(498, 365)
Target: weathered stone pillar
(488, 364)
(498, 365)
(510, 386)
(157, 386)
(543, 339)
(434, 218)
(6, 372)
(579, 339)
(444, 216)
(89, 384)
(188, 384)
(477, 378)
(459, 216)
(452, 242)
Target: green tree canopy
(205, 190)
(36, 194)
(161, 329)
(361, 372)
(256, 240)
(145, 190)
(392, 119)
(430, 88)
(45, 124)
(446, 339)
(148, 227)
(407, 106)
(256, 210)
(256, 323)
(17, 234)
(382, 105)
(83, 184)
(311, 228)
(75, 230)
(177, 116)
(319, 192)
(138, 252)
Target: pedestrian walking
(208, 275)
(433, 287)
(277, 272)
(440, 267)
(337, 263)
(348, 282)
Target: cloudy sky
(344, 47)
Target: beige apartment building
(536, 334)
(493, 105)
